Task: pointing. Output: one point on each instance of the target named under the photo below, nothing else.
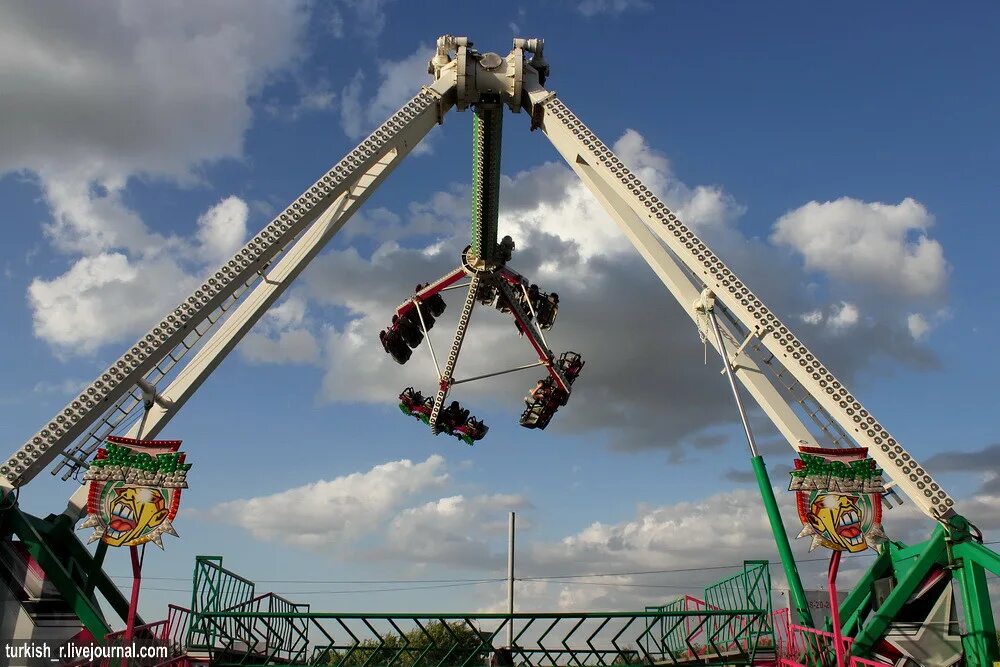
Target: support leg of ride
(831, 585)
(979, 643)
(133, 604)
(59, 566)
(795, 590)
(859, 601)
(933, 550)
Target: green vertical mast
(487, 123)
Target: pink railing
(737, 624)
(798, 646)
(170, 632)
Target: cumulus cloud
(104, 298)
(96, 96)
(845, 315)
(222, 229)
(918, 325)
(344, 508)
(984, 463)
(282, 336)
(652, 392)
(112, 296)
(880, 247)
(398, 81)
(455, 530)
(100, 91)
(837, 317)
(590, 8)
(682, 547)
(657, 553)
(366, 17)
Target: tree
(438, 643)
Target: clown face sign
(134, 490)
(839, 498)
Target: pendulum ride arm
(444, 282)
(338, 193)
(487, 123)
(534, 335)
(242, 319)
(444, 382)
(690, 266)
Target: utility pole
(510, 582)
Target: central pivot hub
(488, 75)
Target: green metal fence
(217, 590)
(439, 640)
(748, 589)
(721, 634)
(234, 626)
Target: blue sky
(842, 160)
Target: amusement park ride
(900, 610)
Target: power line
(333, 581)
(549, 577)
(340, 592)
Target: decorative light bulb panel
(838, 495)
(134, 491)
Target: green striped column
(487, 124)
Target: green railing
(215, 590)
(439, 640)
(236, 627)
(748, 589)
(723, 633)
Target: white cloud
(879, 247)
(918, 325)
(97, 92)
(316, 100)
(342, 509)
(684, 546)
(366, 17)
(66, 387)
(89, 219)
(113, 296)
(552, 198)
(812, 317)
(398, 81)
(634, 393)
(843, 316)
(591, 8)
(455, 530)
(222, 229)
(352, 115)
(282, 336)
(104, 298)
(97, 95)
(670, 536)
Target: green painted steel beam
(89, 566)
(984, 556)
(33, 533)
(859, 601)
(487, 126)
(795, 589)
(980, 640)
(906, 584)
(319, 615)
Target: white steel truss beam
(400, 133)
(252, 308)
(636, 208)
